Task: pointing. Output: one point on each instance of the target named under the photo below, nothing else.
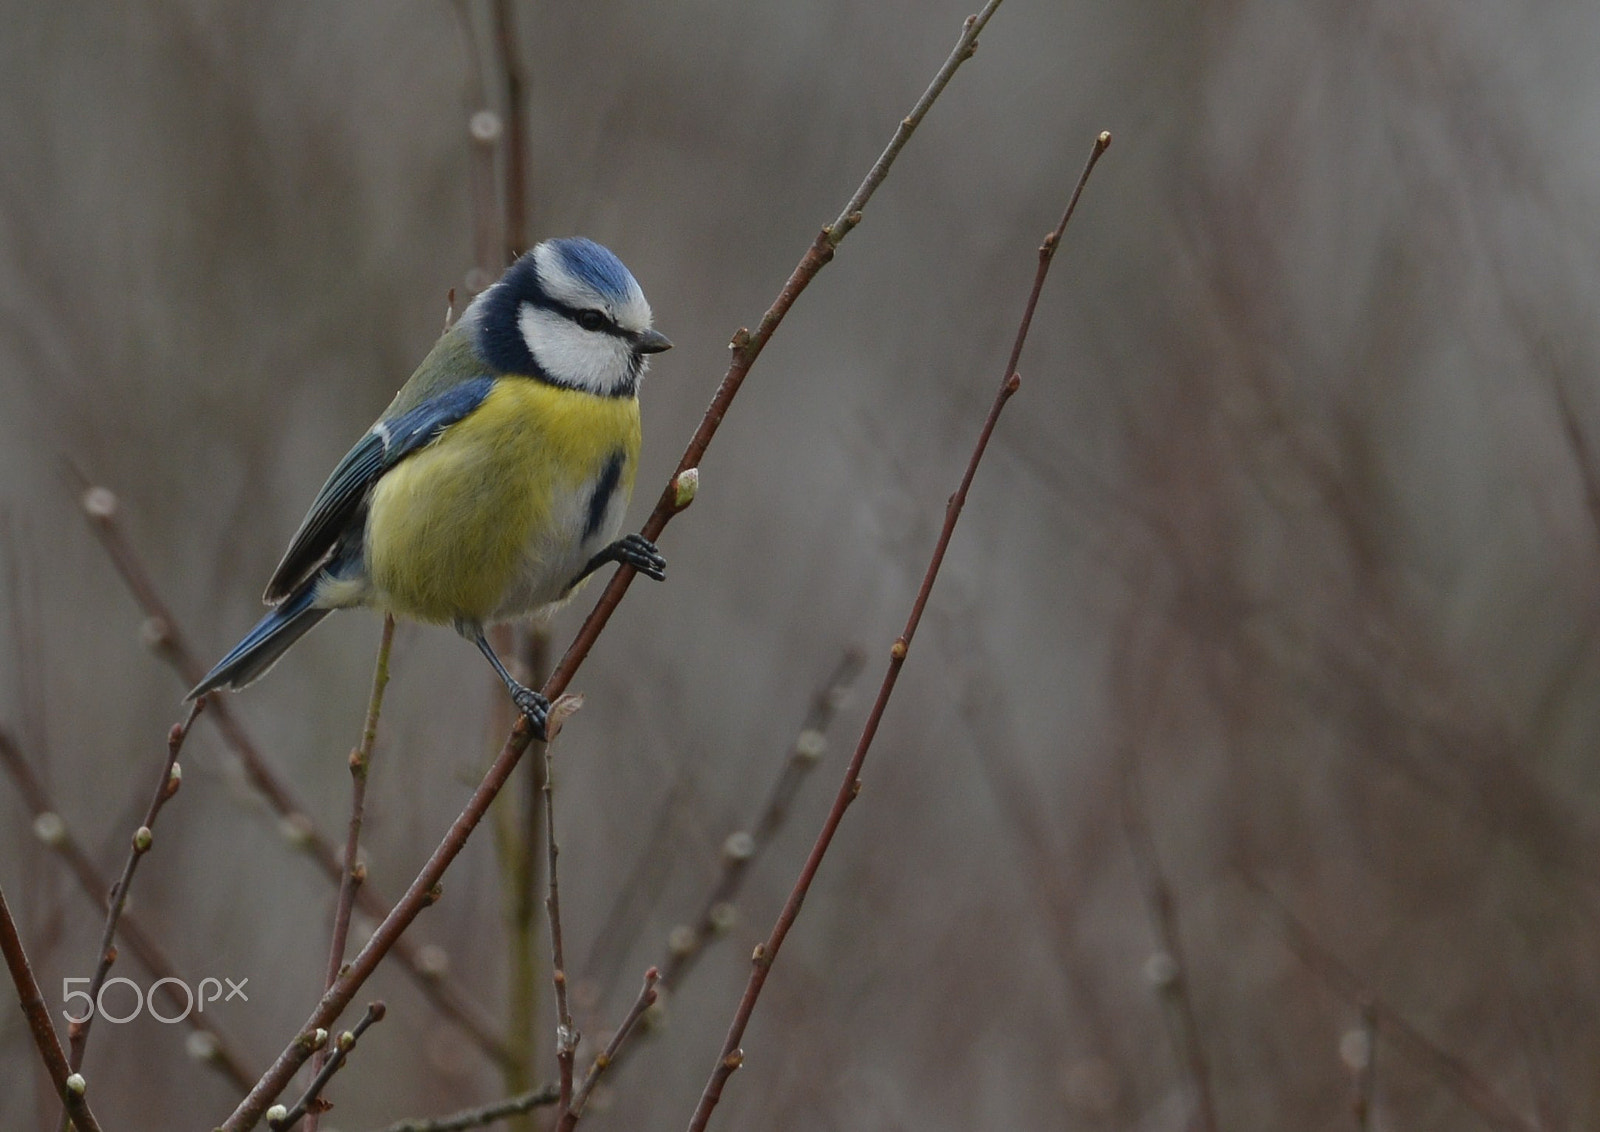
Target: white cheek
(572, 355)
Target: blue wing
(343, 499)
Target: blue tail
(263, 645)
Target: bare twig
(675, 497)
(484, 129)
(516, 188)
(69, 1085)
(167, 641)
(687, 942)
(143, 839)
(731, 1056)
(1453, 1073)
(542, 1097)
(740, 849)
(1171, 965)
(311, 1100)
(568, 1115)
(354, 871)
(566, 1033)
(53, 830)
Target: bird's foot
(534, 708)
(640, 553)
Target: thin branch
(354, 871)
(310, 1101)
(741, 848)
(731, 1056)
(69, 1085)
(566, 1033)
(568, 1115)
(677, 495)
(143, 838)
(1173, 981)
(484, 128)
(167, 641)
(542, 1097)
(48, 825)
(516, 133)
(688, 941)
(1452, 1072)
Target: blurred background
(1242, 772)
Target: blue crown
(596, 266)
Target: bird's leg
(529, 702)
(635, 550)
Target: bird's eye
(591, 320)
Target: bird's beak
(650, 342)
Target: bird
(496, 481)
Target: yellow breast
(497, 502)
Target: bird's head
(568, 312)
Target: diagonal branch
(143, 839)
(1453, 1073)
(568, 1115)
(311, 1101)
(731, 1056)
(48, 825)
(70, 1086)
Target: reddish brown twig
(568, 1115)
(52, 829)
(354, 871)
(1453, 1073)
(731, 1056)
(677, 496)
(69, 1085)
(310, 1101)
(167, 641)
(143, 839)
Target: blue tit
(495, 482)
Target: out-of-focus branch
(143, 838)
(166, 639)
(566, 1034)
(48, 825)
(731, 1056)
(1363, 1062)
(1170, 966)
(518, 838)
(1451, 1072)
(568, 1115)
(311, 1100)
(740, 850)
(542, 1097)
(70, 1086)
(675, 497)
(516, 185)
(354, 872)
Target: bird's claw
(640, 553)
(534, 708)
